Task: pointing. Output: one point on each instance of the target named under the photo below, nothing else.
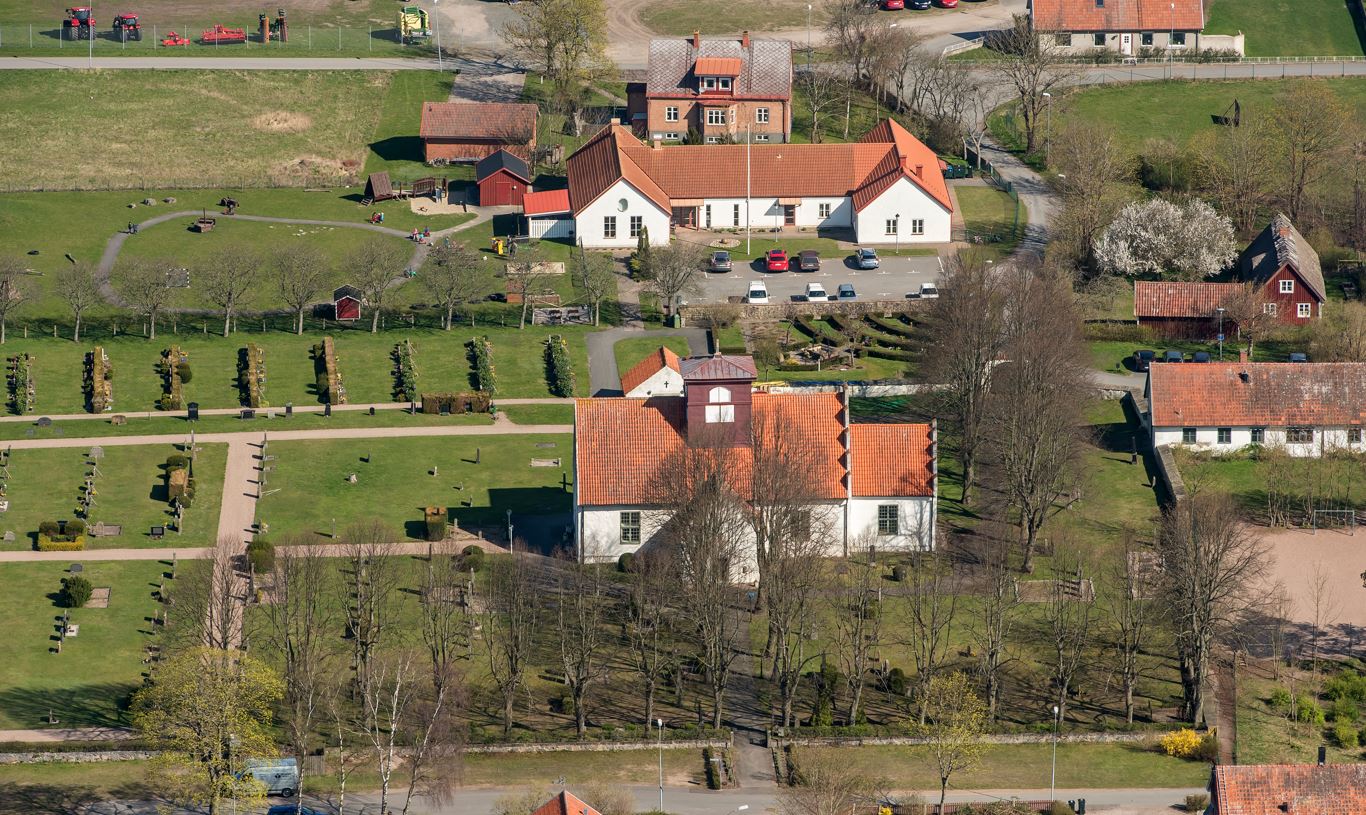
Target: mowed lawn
(45, 485)
(84, 130)
(1289, 28)
(89, 682)
(630, 352)
(988, 211)
(394, 481)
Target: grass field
(44, 485)
(396, 148)
(1116, 355)
(631, 351)
(395, 483)
(1284, 28)
(989, 211)
(197, 128)
(539, 414)
(265, 420)
(90, 680)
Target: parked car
(1297, 356)
(846, 292)
(919, 5)
(758, 294)
(1143, 358)
(1173, 356)
(809, 261)
(893, 5)
(720, 262)
(866, 258)
(815, 293)
(289, 809)
(775, 260)
(1200, 356)
(948, 3)
(929, 291)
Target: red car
(893, 5)
(775, 260)
(948, 3)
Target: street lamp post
(1220, 309)
(440, 66)
(660, 724)
(90, 29)
(808, 38)
(897, 230)
(1053, 778)
(1048, 128)
(1171, 35)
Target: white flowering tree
(1187, 241)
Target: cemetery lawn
(539, 414)
(396, 483)
(631, 351)
(173, 424)
(45, 485)
(89, 682)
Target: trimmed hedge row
(434, 520)
(437, 403)
(251, 375)
(21, 387)
(329, 378)
(99, 385)
(889, 353)
(175, 370)
(179, 481)
(559, 368)
(481, 357)
(405, 374)
(54, 536)
(891, 325)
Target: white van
(758, 294)
(279, 775)
(815, 293)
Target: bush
(712, 769)
(559, 369)
(1181, 743)
(76, 591)
(1196, 802)
(627, 562)
(50, 528)
(74, 528)
(1280, 698)
(472, 559)
(1345, 734)
(1059, 808)
(1208, 749)
(899, 573)
(896, 682)
(1344, 710)
(481, 355)
(176, 461)
(48, 543)
(436, 527)
(185, 373)
(1346, 685)
(1309, 711)
(261, 555)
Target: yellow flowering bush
(1182, 743)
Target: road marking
(941, 264)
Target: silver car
(866, 258)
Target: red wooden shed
(346, 303)
(502, 178)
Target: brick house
(1288, 789)
(1306, 407)
(872, 482)
(1279, 262)
(469, 131)
(1129, 27)
(721, 90)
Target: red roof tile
(864, 169)
(648, 367)
(1117, 15)
(565, 803)
(546, 202)
(1289, 789)
(1157, 298)
(1273, 394)
(892, 460)
(506, 122)
(717, 66)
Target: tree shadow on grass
(102, 704)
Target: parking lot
(896, 276)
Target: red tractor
(79, 24)
(127, 27)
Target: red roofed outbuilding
(502, 178)
(565, 803)
(469, 131)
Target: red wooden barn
(502, 178)
(468, 131)
(346, 303)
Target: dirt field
(1296, 557)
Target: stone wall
(596, 746)
(83, 757)
(1002, 738)
(783, 311)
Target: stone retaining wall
(595, 746)
(782, 311)
(82, 757)
(1002, 738)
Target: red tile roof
(620, 444)
(501, 121)
(565, 803)
(717, 66)
(892, 459)
(1117, 15)
(864, 169)
(1158, 298)
(1289, 789)
(1273, 394)
(546, 202)
(648, 367)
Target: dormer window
(715, 83)
(717, 410)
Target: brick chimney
(920, 171)
(744, 40)
(657, 143)
(696, 38)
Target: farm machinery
(274, 29)
(127, 27)
(79, 24)
(221, 35)
(413, 24)
(173, 39)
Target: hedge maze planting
(559, 369)
(251, 375)
(330, 388)
(882, 336)
(481, 360)
(99, 381)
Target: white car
(815, 293)
(758, 294)
(928, 291)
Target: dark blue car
(1172, 356)
(289, 809)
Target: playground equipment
(276, 29)
(79, 24)
(221, 35)
(127, 27)
(413, 24)
(173, 39)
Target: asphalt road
(897, 276)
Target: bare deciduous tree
(1093, 169)
(1246, 308)
(826, 785)
(996, 620)
(579, 629)
(596, 275)
(1235, 170)
(146, 286)
(1032, 69)
(14, 288)
(376, 264)
(385, 701)
(1310, 127)
(823, 91)
(1323, 607)
(648, 624)
(675, 270)
(1340, 336)
(1213, 564)
(1068, 616)
(227, 280)
(851, 28)
(1127, 594)
(223, 601)
(77, 287)
(368, 593)
(857, 634)
(930, 610)
(300, 278)
(454, 275)
(510, 629)
(529, 280)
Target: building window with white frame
(1269, 308)
(723, 83)
(609, 226)
(630, 527)
(708, 83)
(823, 210)
(1098, 40)
(1225, 435)
(891, 226)
(1287, 287)
(735, 214)
(637, 224)
(1259, 435)
(1188, 435)
(761, 137)
(1304, 309)
(888, 520)
(1179, 39)
(1146, 39)
(1354, 435)
(1299, 435)
(713, 140)
(671, 113)
(1063, 39)
(761, 116)
(917, 226)
(716, 116)
(716, 410)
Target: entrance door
(1126, 44)
(789, 214)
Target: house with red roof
(1130, 27)
(888, 187)
(659, 374)
(872, 484)
(1288, 789)
(565, 803)
(469, 131)
(1306, 408)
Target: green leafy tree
(955, 719)
(209, 710)
(76, 591)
